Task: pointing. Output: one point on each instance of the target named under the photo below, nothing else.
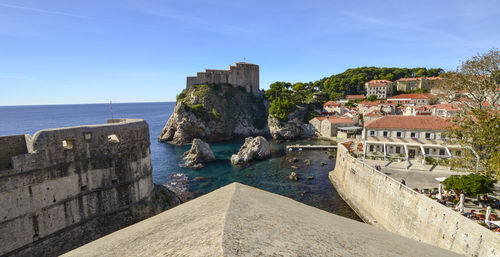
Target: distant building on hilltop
(380, 88)
(406, 84)
(242, 74)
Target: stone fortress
(65, 187)
(242, 74)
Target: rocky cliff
(291, 129)
(215, 113)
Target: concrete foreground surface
(238, 220)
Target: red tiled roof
(379, 81)
(354, 97)
(419, 78)
(331, 103)
(377, 85)
(409, 122)
(319, 118)
(448, 107)
(347, 144)
(340, 120)
(412, 96)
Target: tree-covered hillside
(284, 95)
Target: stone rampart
(384, 202)
(241, 74)
(68, 186)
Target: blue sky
(69, 51)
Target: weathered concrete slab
(239, 220)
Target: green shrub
(473, 183)
(199, 111)
(215, 113)
(181, 96)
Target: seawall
(384, 202)
(65, 187)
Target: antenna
(111, 107)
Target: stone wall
(384, 202)
(11, 146)
(244, 75)
(74, 185)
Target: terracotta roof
(376, 85)
(374, 114)
(339, 120)
(379, 81)
(407, 79)
(353, 97)
(419, 78)
(412, 96)
(409, 122)
(448, 107)
(347, 144)
(331, 103)
(319, 118)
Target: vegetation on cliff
(214, 113)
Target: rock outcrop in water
(293, 128)
(199, 154)
(215, 113)
(254, 149)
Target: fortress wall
(11, 146)
(384, 202)
(56, 188)
(241, 75)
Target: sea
(312, 166)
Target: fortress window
(113, 139)
(87, 136)
(67, 144)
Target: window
(67, 144)
(413, 135)
(398, 149)
(399, 134)
(441, 151)
(428, 135)
(386, 133)
(372, 133)
(371, 148)
(443, 135)
(426, 150)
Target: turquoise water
(270, 175)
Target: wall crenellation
(61, 181)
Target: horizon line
(20, 105)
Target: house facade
(329, 125)
(408, 137)
(333, 107)
(406, 84)
(379, 88)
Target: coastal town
(406, 137)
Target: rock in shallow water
(199, 154)
(256, 148)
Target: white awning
(440, 179)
